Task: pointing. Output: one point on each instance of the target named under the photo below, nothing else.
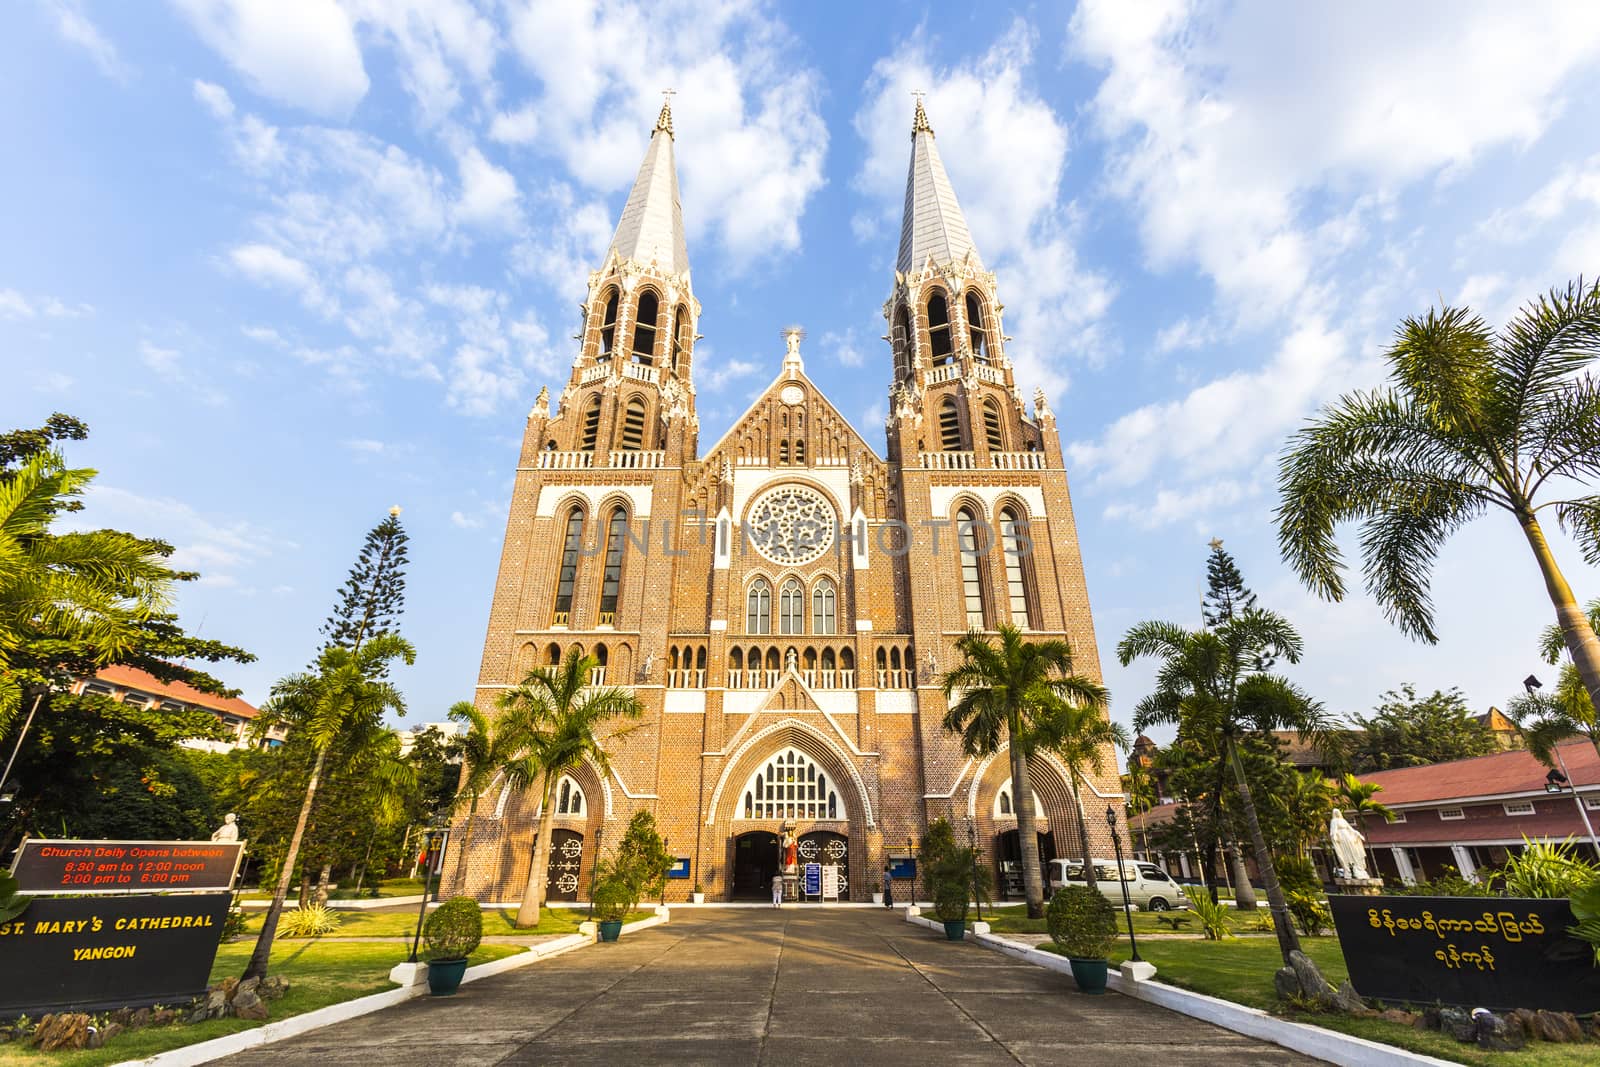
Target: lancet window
(567, 576)
(791, 786)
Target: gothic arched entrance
(755, 861)
(1008, 855)
(566, 860)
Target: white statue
(229, 830)
(1348, 845)
(791, 661)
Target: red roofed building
(1471, 814)
(130, 685)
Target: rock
(1312, 985)
(1559, 1026)
(163, 1017)
(122, 1017)
(67, 1030)
(1428, 1020)
(247, 1005)
(273, 986)
(1496, 1034)
(1346, 999)
(229, 984)
(111, 1030)
(1522, 1019)
(216, 1003)
(249, 985)
(1457, 1023)
(1398, 1015)
(139, 1019)
(1287, 983)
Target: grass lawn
(389, 887)
(1013, 919)
(319, 973)
(496, 922)
(1241, 971)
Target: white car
(1149, 887)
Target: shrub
(1450, 884)
(1212, 914)
(1296, 874)
(1586, 909)
(1546, 869)
(1308, 912)
(642, 859)
(313, 920)
(612, 895)
(1081, 922)
(454, 929)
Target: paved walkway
(799, 986)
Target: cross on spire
(664, 121)
(919, 121)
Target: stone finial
(919, 121)
(727, 469)
(541, 406)
(1041, 408)
(664, 120)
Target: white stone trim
(864, 625)
(684, 702)
(965, 767)
(942, 497)
(639, 497)
(760, 735)
(897, 702)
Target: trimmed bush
(1081, 922)
(612, 896)
(453, 931)
(1308, 912)
(312, 920)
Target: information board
(1479, 952)
(903, 869)
(813, 880)
(46, 865)
(830, 882)
(679, 868)
(87, 954)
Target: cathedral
(783, 604)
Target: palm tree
(1004, 690)
(347, 695)
(1471, 420)
(92, 589)
(1079, 736)
(1306, 804)
(483, 755)
(1357, 795)
(1208, 686)
(552, 721)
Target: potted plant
(1083, 925)
(877, 894)
(950, 902)
(699, 894)
(613, 899)
(451, 935)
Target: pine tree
(1226, 593)
(374, 595)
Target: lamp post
(1557, 782)
(666, 846)
(433, 833)
(1127, 905)
(594, 866)
(972, 846)
(911, 855)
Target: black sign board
(44, 865)
(1473, 952)
(88, 953)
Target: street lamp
(1127, 905)
(432, 835)
(594, 866)
(972, 846)
(1560, 781)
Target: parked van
(1149, 887)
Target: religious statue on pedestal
(1349, 846)
(229, 830)
(790, 850)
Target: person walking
(888, 888)
(777, 891)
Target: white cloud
(488, 193)
(750, 141)
(164, 361)
(843, 348)
(440, 44)
(981, 111)
(515, 127)
(74, 26)
(713, 375)
(304, 54)
(1185, 333)
(365, 445)
(222, 550)
(1168, 506)
(214, 98)
(13, 305)
(270, 266)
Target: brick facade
(859, 701)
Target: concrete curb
(1329, 1045)
(342, 905)
(270, 1033)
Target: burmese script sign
(52, 866)
(87, 953)
(1474, 952)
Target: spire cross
(919, 122)
(664, 122)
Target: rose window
(791, 525)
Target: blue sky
(295, 268)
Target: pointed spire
(651, 227)
(933, 224)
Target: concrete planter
(1089, 974)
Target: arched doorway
(755, 862)
(1008, 856)
(566, 862)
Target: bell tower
(630, 398)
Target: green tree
(1208, 687)
(1546, 719)
(1470, 420)
(554, 721)
(1000, 691)
(1081, 737)
(1408, 731)
(346, 695)
(1304, 806)
(374, 593)
(483, 752)
(1226, 594)
(1360, 797)
(642, 858)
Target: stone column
(1464, 862)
